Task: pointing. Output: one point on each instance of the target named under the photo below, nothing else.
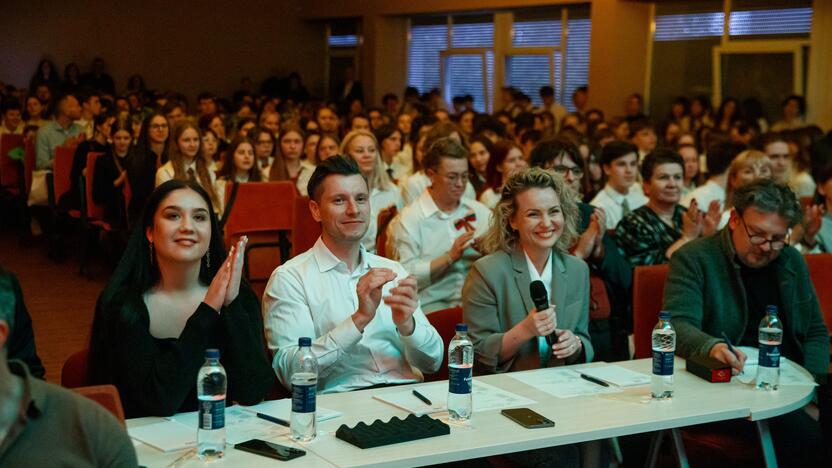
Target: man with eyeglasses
(723, 283)
(436, 236)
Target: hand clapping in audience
(226, 284)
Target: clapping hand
(403, 302)
(225, 286)
(692, 221)
(814, 220)
(710, 223)
(368, 291)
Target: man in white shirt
(90, 108)
(622, 194)
(719, 159)
(12, 118)
(361, 310)
(547, 94)
(436, 234)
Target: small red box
(709, 369)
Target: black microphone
(541, 302)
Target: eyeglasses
(455, 178)
(265, 142)
(562, 170)
(776, 243)
(158, 126)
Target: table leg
(768, 446)
(653, 453)
(679, 444)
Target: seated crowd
(478, 206)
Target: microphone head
(540, 297)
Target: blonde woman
(185, 161)
(362, 146)
(748, 166)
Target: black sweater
(157, 377)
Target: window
(427, 41)
(577, 58)
(689, 26)
(346, 40)
(537, 32)
(528, 73)
(765, 22)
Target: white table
(577, 419)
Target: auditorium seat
(820, 270)
(61, 178)
(384, 217)
(106, 396)
(74, 371)
(305, 230)
(648, 292)
(444, 321)
(92, 213)
(10, 170)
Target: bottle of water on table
(770, 336)
(460, 367)
(304, 390)
(664, 348)
(211, 386)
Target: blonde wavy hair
(501, 236)
(748, 158)
(378, 178)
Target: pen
(422, 397)
(730, 347)
(594, 380)
(273, 419)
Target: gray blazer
(496, 297)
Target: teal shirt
(49, 137)
(705, 295)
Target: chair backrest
(94, 211)
(384, 217)
(820, 270)
(9, 168)
(74, 371)
(106, 396)
(260, 207)
(444, 321)
(648, 293)
(62, 170)
(305, 230)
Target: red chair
(74, 371)
(29, 163)
(648, 293)
(444, 321)
(62, 177)
(263, 212)
(305, 230)
(106, 396)
(820, 270)
(384, 217)
(10, 170)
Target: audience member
(390, 144)
(818, 231)
(794, 107)
(505, 159)
(35, 112)
(61, 131)
(12, 118)
(723, 284)
(288, 165)
(264, 149)
(719, 159)
(361, 310)
(650, 235)
(149, 152)
(728, 114)
(479, 153)
(643, 136)
(310, 145)
(621, 194)
(98, 143)
(690, 155)
(186, 162)
(111, 175)
(327, 147)
(327, 121)
(90, 102)
(437, 236)
(19, 343)
(98, 78)
(270, 120)
(748, 166)
(550, 105)
(175, 294)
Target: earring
(151, 253)
(208, 258)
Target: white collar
(327, 260)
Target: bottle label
(662, 362)
(769, 355)
(459, 380)
(303, 398)
(211, 414)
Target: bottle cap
(771, 309)
(212, 353)
(664, 315)
(305, 341)
(461, 327)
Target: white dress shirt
(306, 170)
(166, 173)
(490, 198)
(423, 233)
(704, 195)
(611, 201)
(379, 200)
(313, 295)
(413, 186)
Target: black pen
(422, 397)
(731, 347)
(273, 419)
(594, 380)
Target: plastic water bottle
(664, 348)
(770, 336)
(304, 389)
(460, 367)
(210, 387)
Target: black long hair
(141, 167)
(136, 273)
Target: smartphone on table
(270, 449)
(527, 418)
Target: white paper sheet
(561, 383)
(240, 425)
(616, 375)
(283, 408)
(789, 373)
(167, 436)
(485, 398)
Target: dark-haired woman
(238, 165)
(111, 174)
(186, 161)
(149, 152)
(97, 144)
(288, 164)
(174, 294)
(478, 155)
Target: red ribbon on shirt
(466, 222)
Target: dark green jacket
(705, 295)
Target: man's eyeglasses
(776, 242)
(562, 170)
(158, 126)
(455, 178)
